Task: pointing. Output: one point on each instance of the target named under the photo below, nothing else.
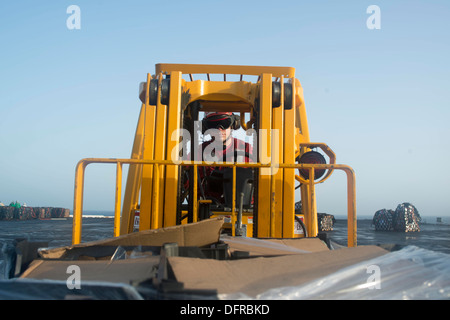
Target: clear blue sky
(379, 98)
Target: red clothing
(238, 151)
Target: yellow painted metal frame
(327, 150)
(289, 135)
(166, 68)
(82, 164)
(153, 179)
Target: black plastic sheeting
(30, 289)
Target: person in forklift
(214, 181)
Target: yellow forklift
(260, 196)
(172, 241)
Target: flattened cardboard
(307, 244)
(272, 247)
(199, 234)
(118, 271)
(256, 275)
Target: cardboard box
(257, 275)
(274, 247)
(117, 271)
(270, 263)
(199, 234)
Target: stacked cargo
(325, 221)
(405, 218)
(28, 213)
(383, 220)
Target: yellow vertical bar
(289, 174)
(264, 149)
(118, 199)
(305, 202)
(300, 115)
(305, 193)
(195, 195)
(312, 203)
(272, 205)
(173, 130)
(277, 174)
(155, 204)
(233, 204)
(78, 202)
(160, 154)
(310, 225)
(147, 170)
(133, 183)
(351, 207)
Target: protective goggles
(223, 123)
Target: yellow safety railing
(82, 164)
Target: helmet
(223, 120)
